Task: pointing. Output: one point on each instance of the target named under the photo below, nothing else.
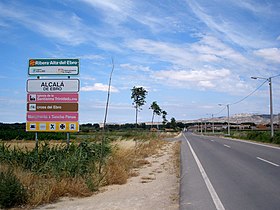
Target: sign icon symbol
(72, 126)
(32, 97)
(52, 126)
(32, 126)
(32, 107)
(62, 126)
(42, 126)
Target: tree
(173, 123)
(164, 120)
(138, 94)
(156, 110)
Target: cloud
(221, 80)
(98, 87)
(212, 49)
(238, 29)
(207, 49)
(112, 12)
(64, 26)
(131, 67)
(91, 57)
(163, 50)
(88, 78)
(204, 76)
(271, 54)
(120, 13)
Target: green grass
(59, 161)
(261, 136)
(12, 192)
(53, 170)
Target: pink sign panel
(55, 117)
(53, 97)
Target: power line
(249, 94)
(220, 111)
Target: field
(45, 173)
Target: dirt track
(156, 187)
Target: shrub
(12, 193)
(58, 161)
(276, 138)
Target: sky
(190, 55)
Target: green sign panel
(53, 66)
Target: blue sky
(189, 55)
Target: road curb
(183, 166)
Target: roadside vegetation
(31, 176)
(260, 136)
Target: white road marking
(227, 146)
(212, 140)
(214, 195)
(249, 142)
(274, 164)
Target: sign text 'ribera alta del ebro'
(53, 66)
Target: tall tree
(156, 110)
(173, 123)
(138, 95)
(164, 120)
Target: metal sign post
(52, 101)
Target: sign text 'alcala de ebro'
(53, 85)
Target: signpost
(53, 97)
(52, 117)
(52, 107)
(53, 85)
(52, 126)
(52, 103)
(53, 67)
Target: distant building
(262, 127)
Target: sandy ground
(156, 187)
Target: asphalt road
(219, 173)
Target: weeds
(52, 171)
(57, 161)
(12, 192)
(261, 136)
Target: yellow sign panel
(52, 126)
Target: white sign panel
(53, 85)
(49, 66)
(54, 70)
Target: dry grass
(120, 166)
(29, 144)
(46, 189)
(176, 157)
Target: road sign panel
(52, 107)
(53, 67)
(54, 117)
(52, 126)
(53, 97)
(53, 85)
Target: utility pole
(270, 101)
(228, 120)
(213, 128)
(271, 107)
(228, 126)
